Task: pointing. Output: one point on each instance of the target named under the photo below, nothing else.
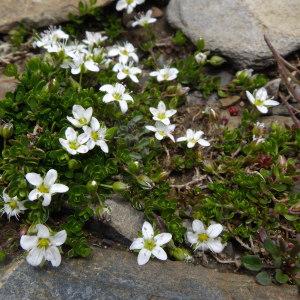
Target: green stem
(106, 186)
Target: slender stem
(106, 186)
(80, 80)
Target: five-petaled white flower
(116, 93)
(144, 20)
(204, 239)
(80, 64)
(74, 143)
(193, 137)
(94, 38)
(165, 74)
(161, 114)
(150, 244)
(45, 187)
(12, 206)
(125, 71)
(201, 58)
(43, 246)
(129, 5)
(125, 52)
(51, 39)
(81, 116)
(261, 100)
(162, 130)
(96, 135)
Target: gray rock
(281, 109)
(7, 84)
(123, 223)
(37, 12)
(235, 28)
(115, 274)
(268, 120)
(273, 87)
(195, 98)
(229, 101)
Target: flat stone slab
(235, 28)
(37, 12)
(114, 274)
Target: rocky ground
(112, 272)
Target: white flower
(161, 114)
(129, 5)
(150, 244)
(260, 100)
(165, 74)
(82, 116)
(12, 206)
(96, 134)
(124, 52)
(193, 137)
(144, 20)
(80, 64)
(43, 246)
(125, 71)
(201, 58)
(74, 143)
(161, 130)
(258, 131)
(45, 187)
(204, 239)
(76, 49)
(116, 93)
(51, 39)
(258, 139)
(94, 38)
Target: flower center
(117, 96)
(126, 71)
(43, 243)
(149, 244)
(258, 102)
(95, 135)
(43, 188)
(162, 133)
(13, 204)
(202, 237)
(83, 121)
(130, 1)
(73, 145)
(124, 52)
(166, 76)
(161, 116)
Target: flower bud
(73, 164)
(145, 182)
(181, 254)
(216, 60)
(102, 212)
(160, 176)
(7, 130)
(92, 186)
(134, 167)
(244, 74)
(209, 166)
(201, 58)
(120, 186)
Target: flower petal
(214, 230)
(137, 244)
(33, 195)
(50, 177)
(162, 238)
(52, 254)
(159, 253)
(147, 230)
(59, 238)
(43, 231)
(215, 246)
(34, 179)
(58, 188)
(47, 199)
(143, 257)
(271, 103)
(262, 109)
(35, 256)
(191, 237)
(28, 242)
(198, 226)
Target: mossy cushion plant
(82, 125)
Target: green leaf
(200, 44)
(252, 262)
(272, 248)
(263, 278)
(281, 277)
